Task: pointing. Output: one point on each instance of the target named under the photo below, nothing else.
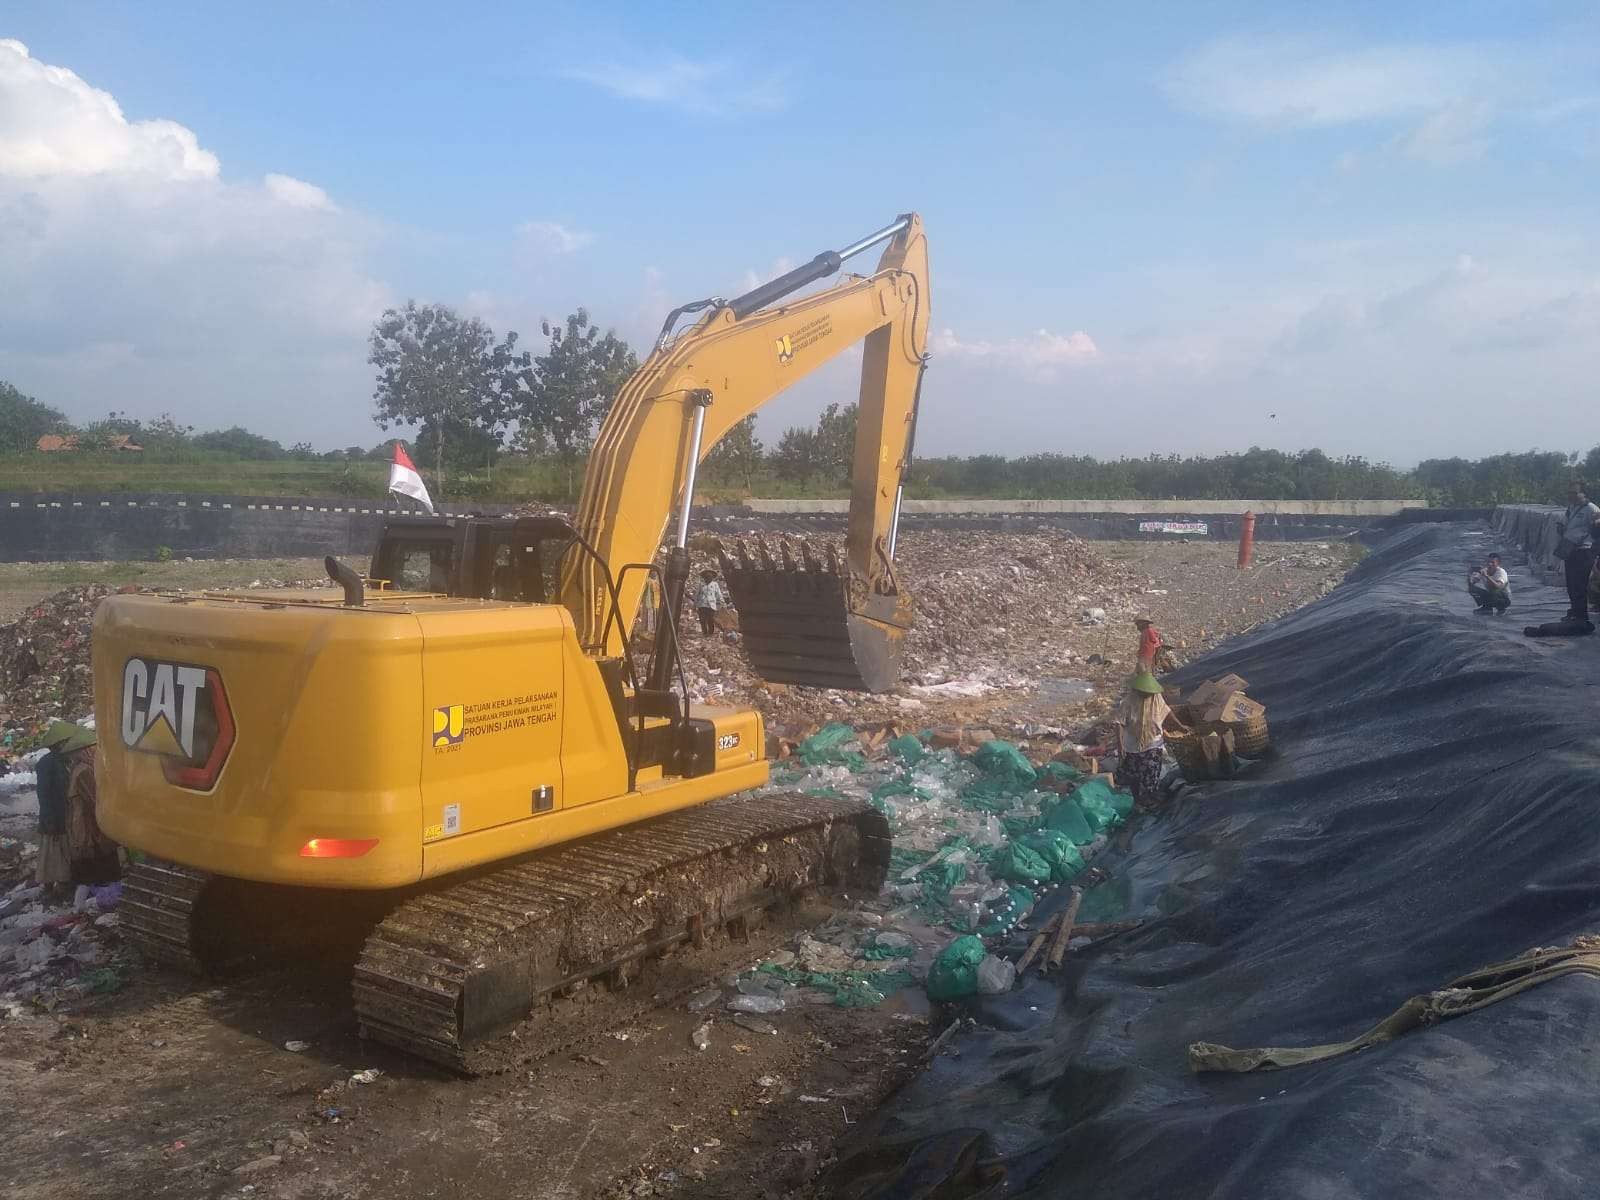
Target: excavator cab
(485, 558)
(519, 560)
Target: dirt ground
(172, 1088)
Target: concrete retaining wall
(57, 528)
(136, 526)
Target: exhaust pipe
(354, 591)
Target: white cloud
(1302, 82)
(134, 270)
(53, 124)
(705, 87)
(552, 237)
(1043, 353)
(1455, 134)
(297, 193)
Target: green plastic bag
(1067, 818)
(1002, 918)
(1060, 770)
(908, 748)
(1003, 761)
(884, 953)
(824, 747)
(1056, 848)
(955, 971)
(1122, 802)
(1020, 863)
(1094, 798)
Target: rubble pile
(52, 954)
(1027, 633)
(990, 606)
(44, 665)
(996, 614)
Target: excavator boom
(818, 621)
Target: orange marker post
(1247, 540)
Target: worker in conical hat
(1140, 724)
(54, 871)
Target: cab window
(419, 566)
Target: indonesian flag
(403, 478)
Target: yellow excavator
(461, 754)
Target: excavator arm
(822, 622)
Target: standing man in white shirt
(709, 601)
(1576, 549)
(1491, 586)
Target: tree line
(474, 398)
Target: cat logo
(180, 713)
(785, 348)
(449, 725)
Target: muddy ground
(170, 1087)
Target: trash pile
(53, 953)
(979, 839)
(44, 666)
(991, 609)
(1219, 724)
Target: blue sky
(1175, 228)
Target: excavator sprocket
(803, 622)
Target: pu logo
(448, 725)
(785, 348)
(180, 713)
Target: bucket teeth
(806, 619)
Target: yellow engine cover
(284, 738)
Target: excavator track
(159, 910)
(459, 974)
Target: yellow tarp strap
(1467, 994)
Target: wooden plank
(1058, 947)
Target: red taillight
(337, 847)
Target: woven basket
(1185, 747)
(1250, 737)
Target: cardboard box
(1213, 690)
(1239, 707)
(1232, 707)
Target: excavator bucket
(801, 624)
